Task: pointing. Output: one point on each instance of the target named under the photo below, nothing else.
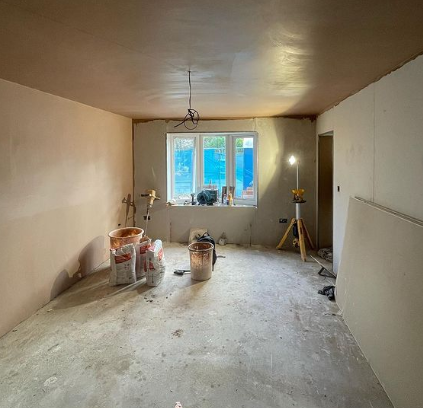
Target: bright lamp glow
(292, 160)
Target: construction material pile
(133, 262)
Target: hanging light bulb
(192, 118)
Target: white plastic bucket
(201, 260)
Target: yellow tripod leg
(301, 234)
(286, 234)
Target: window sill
(214, 206)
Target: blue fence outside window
(214, 170)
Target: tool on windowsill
(180, 272)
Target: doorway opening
(325, 191)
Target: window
(184, 170)
(197, 161)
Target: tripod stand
(300, 233)
(297, 224)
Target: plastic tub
(124, 236)
(201, 259)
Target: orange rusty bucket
(124, 236)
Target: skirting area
(256, 335)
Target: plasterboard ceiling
(248, 57)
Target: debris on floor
(328, 291)
(222, 240)
(181, 271)
(195, 233)
(178, 405)
(50, 381)
(177, 333)
(326, 253)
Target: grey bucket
(201, 260)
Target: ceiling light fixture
(192, 118)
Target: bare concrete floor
(256, 335)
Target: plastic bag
(156, 263)
(122, 262)
(141, 262)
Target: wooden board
(324, 264)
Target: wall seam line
(374, 142)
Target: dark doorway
(325, 191)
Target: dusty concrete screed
(256, 335)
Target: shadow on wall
(90, 258)
(272, 198)
(277, 177)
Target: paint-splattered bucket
(124, 236)
(201, 258)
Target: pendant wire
(192, 118)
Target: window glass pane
(244, 167)
(214, 155)
(184, 162)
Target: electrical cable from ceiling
(192, 118)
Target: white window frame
(198, 171)
(170, 162)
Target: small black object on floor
(328, 291)
(181, 271)
(207, 238)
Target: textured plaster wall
(64, 169)
(278, 138)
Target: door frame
(325, 134)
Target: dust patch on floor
(256, 335)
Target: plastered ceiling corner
(248, 58)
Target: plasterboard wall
(379, 289)
(378, 146)
(64, 169)
(278, 138)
